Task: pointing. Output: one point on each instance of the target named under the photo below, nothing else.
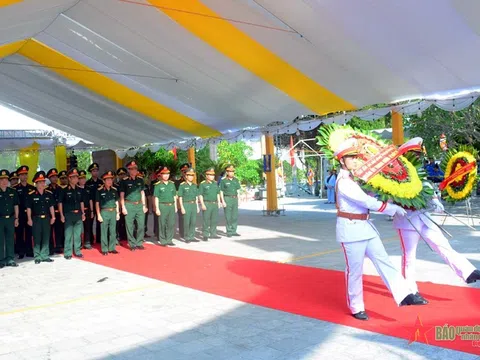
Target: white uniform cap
(348, 147)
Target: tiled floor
(78, 310)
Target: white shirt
(352, 199)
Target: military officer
(62, 176)
(359, 237)
(23, 233)
(121, 229)
(57, 231)
(41, 215)
(209, 196)
(229, 187)
(72, 213)
(13, 178)
(188, 199)
(184, 167)
(165, 196)
(108, 212)
(156, 219)
(134, 206)
(149, 198)
(93, 183)
(9, 212)
(88, 201)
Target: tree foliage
(238, 154)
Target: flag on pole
(292, 152)
(174, 152)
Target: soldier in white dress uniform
(359, 237)
(420, 224)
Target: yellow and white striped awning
(123, 73)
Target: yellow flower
(406, 190)
(468, 188)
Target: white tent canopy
(124, 73)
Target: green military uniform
(8, 201)
(107, 200)
(132, 190)
(183, 168)
(71, 199)
(88, 223)
(93, 185)
(121, 229)
(229, 188)
(188, 193)
(166, 194)
(209, 190)
(40, 206)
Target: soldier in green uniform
(108, 212)
(62, 176)
(183, 168)
(94, 183)
(209, 196)
(41, 215)
(72, 213)
(57, 230)
(13, 178)
(165, 196)
(9, 211)
(134, 206)
(187, 194)
(88, 201)
(23, 233)
(229, 187)
(121, 229)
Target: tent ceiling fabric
(124, 73)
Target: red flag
(292, 152)
(174, 152)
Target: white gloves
(437, 206)
(400, 211)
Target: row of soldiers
(58, 214)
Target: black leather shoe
(2, 266)
(216, 237)
(205, 238)
(48, 260)
(418, 296)
(88, 247)
(133, 248)
(37, 261)
(412, 299)
(187, 241)
(68, 257)
(79, 255)
(141, 247)
(12, 264)
(114, 252)
(236, 234)
(164, 245)
(228, 235)
(104, 253)
(171, 244)
(474, 276)
(362, 315)
(194, 240)
(21, 256)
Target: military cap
(39, 176)
(4, 174)
(108, 175)
(122, 171)
(348, 147)
(82, 174)
(190, 171)
(93, 167)
(52, 172)
(210, 171)
(72, 172)
(229, 168)
(163, 170)
(131, 164)
(23, 170)
(62, 174)
(13, 175)
(184, 167)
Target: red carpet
(311, 292)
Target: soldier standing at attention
(229, 187)
(88, 201)
(121, 230)
(57, 230)
(134, 206)
(188, 198)
(209, 195)
(41, 215)
(9, 211)
(149, 198)
(183, 168)
(23, 233)
(62, 176)
(156, 219)
(72, 213)
(93, 183)
(108, 212)
(13, 179)
(165, 196)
